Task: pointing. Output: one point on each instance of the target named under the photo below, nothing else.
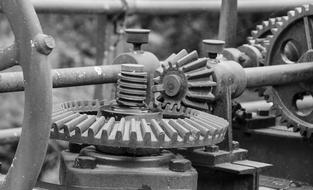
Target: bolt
(213, 148)
(180, 165)
(85, 162)
(44, 44)
(235, 145)
(137, 37)
(213, 47)
(263, 112)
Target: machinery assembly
(173, 124)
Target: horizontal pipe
(8, 136)
(278, 74)
(79, 76)
(157, 7)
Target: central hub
(172, 85)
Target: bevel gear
(184, 80)
(98, 123)
(291, 43)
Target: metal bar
(158, 6)
(100, 43)
(33, 48)
(279, 74)
(80, 76)
(8, 136)
(228, 23)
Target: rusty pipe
(278, 74)
(157, 6)
(228, 23)
(79, 76)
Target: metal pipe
(8, 136)
(158, 7)
(228, 23)
(79, 76)
(278, 74)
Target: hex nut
(213, 148)
(235, 145)
(179, 165)
(85, 162)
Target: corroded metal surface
(32, 47)
(184, 80)
(80, 122)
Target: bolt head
(235, 145)
(180, 165)
(137, 36)
(213, 148)
(85, 162)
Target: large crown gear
(184, 80)
(291, 43)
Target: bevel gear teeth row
(132, 86)
(195, 129)
(192, 77)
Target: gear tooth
(298, 10)
(279, 24)
(305, 7)
(259, 27)
(291, 13)
(272, 21)
(285, 19)
(274, 30)
(265, 23)
(254, 33)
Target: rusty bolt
(137, 37)
(213, 47)
(85, 162)
(235, 145)
(212, 148)
(44, 44)
(180, 165)
(263, 112)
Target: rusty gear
(291, 43)
(84, 122)
(186, 82)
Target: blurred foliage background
(76, 40)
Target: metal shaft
(279, 74)
(157, 6)
(13, 81)
(228, 23)
(256, 77)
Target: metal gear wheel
(184, 80)
(291, 43)
(91, 122)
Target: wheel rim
(31, 49)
